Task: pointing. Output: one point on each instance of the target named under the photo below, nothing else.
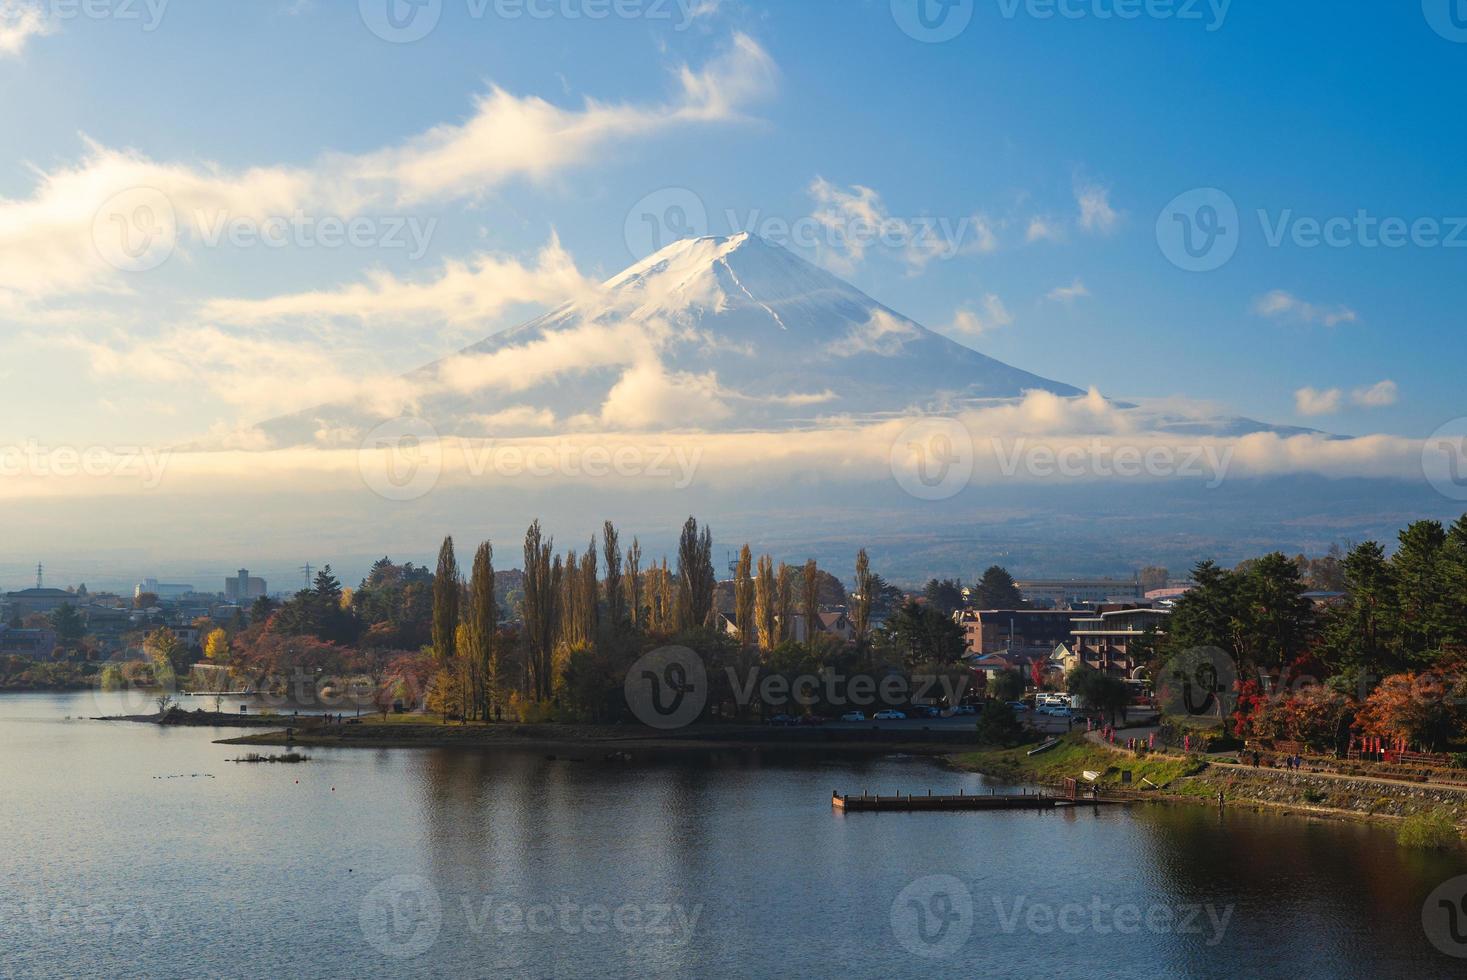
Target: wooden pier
(910, 802)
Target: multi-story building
(243, 589)
(163, 590)
(31, 644)
(1013, 630)
(29, 601)
(1063, 593)
(1109, 640)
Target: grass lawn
(1073, 756)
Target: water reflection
(726, 864)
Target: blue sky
(1312, 109)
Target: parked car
(889, 715)
(811, 720)
(853, 716)
(782, 720)
(925, 711)
(965, 709)
(1018, 705)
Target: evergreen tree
(483, 627)
(539, 604)
(446, 590)
(1423, 590)
(696, 579)
(634, 583)
(996, 590)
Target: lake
(132, 850)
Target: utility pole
(306, 570)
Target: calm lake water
(131, 850)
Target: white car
(853, 716)
(889, 716)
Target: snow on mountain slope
(709, 334)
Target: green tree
(744, 598)
(695, 576)
(69, 625)
(944, 595)
(1099, 690)
(998, 725)
(486, 684)
(996, 590)
(919, 634)
(446, 590)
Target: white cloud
(1379, 395)
(1043, 230)
(1096, 214)
(883, 334)
(21, 20)
(648, 397)
(1068, 294)
(1281, 304)
(47, 240)
(855, 220)
(968, 322)
(466, 292)
(1310, 401)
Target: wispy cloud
(1382, 394)
(1312, 401)
(466, 292)
(1096, 214)
(1068, 294)
(969, 322)
(1043, 230)
(21, 20)
(1283, 305)
(48, 243)
(856, 220)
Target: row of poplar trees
(568, 601)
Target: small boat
(1044, 746)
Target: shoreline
(1199, 780)
(614, 740)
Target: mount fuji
(708, 334)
